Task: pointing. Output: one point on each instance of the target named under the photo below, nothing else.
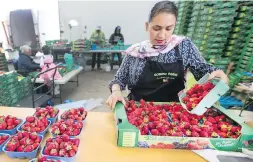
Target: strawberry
(154, 132)
(194, 122)
(30, 119)
(29, 148)
(71, 153)
(21, 148)
(53, 152)
(222, 134)
(195, 128)
(11, 146)
(33, 136)
(63, 153)
(195, 134)
(203, 134)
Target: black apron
(160, 82)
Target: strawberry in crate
(173, 120)
(44, 159)
(23, 142)
(78, 114)
(3, 138)
(196, 94)
(68, 127)
(8, 122)
(48, 112)
(61, 146)
(34, 124)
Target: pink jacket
(47, 62)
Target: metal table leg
(61, 93)
(77, 80)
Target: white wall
(130, 15)
(48, 16)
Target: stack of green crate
(10, 92)
(81, 45)
(3, 63)
(184, 15)
(245, 63)
(224, 14)
(202, 29)
(176, 30)
(240, 31)
(25, 86)
(195, 16)
(52, 42)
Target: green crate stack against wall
(245, 63)
(224, 14)
(25, 86)
(184, 15)
(195, 16)
(241, 30)
(10, 92)
(81, 45)
(52, 42)
(176, 30)
(3, 63)
(202, 30)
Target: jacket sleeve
(92, 37)
(122, 75)
(111, 38)
(122, 38)
(33, 66)
(196, 63)
(103, 37)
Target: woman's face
(161, 28)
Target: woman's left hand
(219, 74)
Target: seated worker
(25, 62)
(115, 38)
(98, 38)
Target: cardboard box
(129, 136)
(211, 98)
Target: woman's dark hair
(163, 7)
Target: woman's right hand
(114, 98)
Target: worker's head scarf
(146, 49)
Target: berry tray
(129, 135)
(210, 99)
(63, 159)
(69, 136)
(23, 155)
(2, 145)
(39, 133)
(54, 119)
(36, 160)
(12, 131)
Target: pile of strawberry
(48, 112)
(174, 120)
(9, 122)
(45, 159)
(196, 94)
(75, 114)
(23, 142)
(68, 127)
(3, 138)
(61, 146)
(34, 124)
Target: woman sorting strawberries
(154, 70)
